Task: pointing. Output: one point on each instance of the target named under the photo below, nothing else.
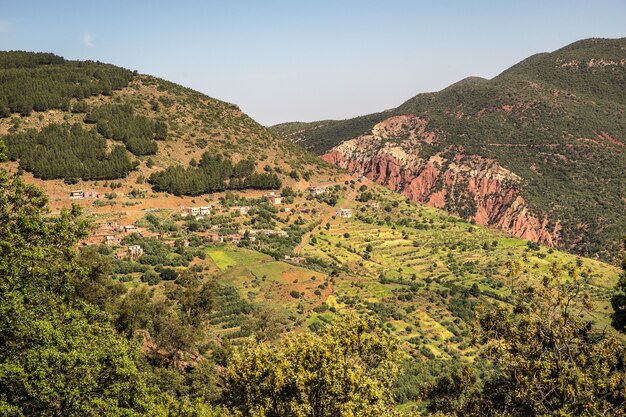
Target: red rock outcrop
(470, 186)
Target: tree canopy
(69, 152)
(119, 122)
(59, 356)
(546, 359)
(348, 370)
(213, 173)
(42, 81)
(618, 301)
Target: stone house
(316, 190)
(273, 198)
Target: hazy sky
(308, 60)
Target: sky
(308, 60)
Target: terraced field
(251, 280)
(422, 271)
(419, 269)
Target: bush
(168, 274)
(150, 277)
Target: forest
(119, 122)
(213, 173)
(67, 151)
(43, 81)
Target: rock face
(470, 186)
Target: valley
(538, 150)
(164, 254)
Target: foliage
(119, 122)
(64, 151)
(58, 355)
(42, 81)
(348, 370)
(213, 173)
(618, 300)
(547, 360)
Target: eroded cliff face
(470, 186)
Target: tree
(547, 360)
(474, 290)
(58, 354)
(618, 301)
(94, 285)
(168, 274)
(266, 323)
(196, 299)
(348, 370)
(134, 311)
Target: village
(252, 222)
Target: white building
(317, 190)
(197, 212)
(344, 212)
(135, 251)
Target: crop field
(419, 270)
(422, 271)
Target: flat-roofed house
(317, 190)
(241, 209)
(135, 251)
(274, 199)
(345, 213)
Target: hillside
(72, 125)
(538, 151)
(274, 271)
(194, 263)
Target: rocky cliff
(473, 187)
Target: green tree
(134, 311)
(348, 370)
(547, 360)
(618, 301)
(58, 354)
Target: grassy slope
(417, 277)
(435, 266)
(197, 123)
(543, 120)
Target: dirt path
(330, 212)
(328, 291)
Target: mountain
(538, 151)
(72, 125)
(213, 258)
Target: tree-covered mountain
(539, 150)
(180, 289)
(85, 120)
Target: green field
(421, 271)
(418, 269)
